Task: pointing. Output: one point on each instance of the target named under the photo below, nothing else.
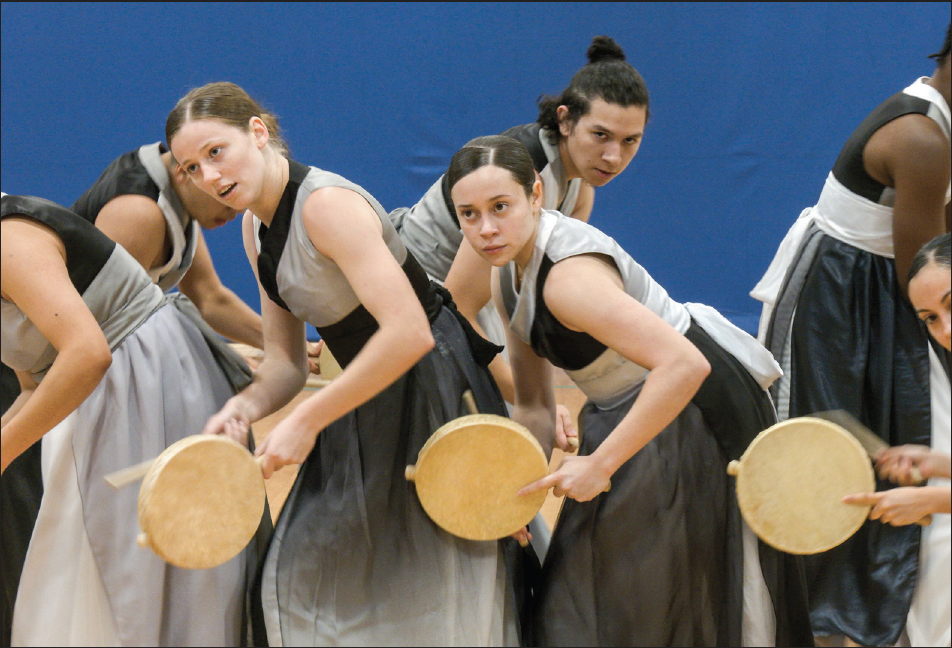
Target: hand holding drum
(200, 502)
(469, 472)
(791, 482)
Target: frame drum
(468, 473)
(791, 481)
(201, 502)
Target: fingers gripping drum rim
(201, 502)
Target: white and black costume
(142, 173)
(656, 561)
(838, 323)
(431, 231)
(354, 559)
(84, 579)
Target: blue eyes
(213, 152)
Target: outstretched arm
(534, 398)
(219, 306)
(281, 374)
(468, 282)
(34, 277)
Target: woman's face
(602, 142)
(208, 211)
(496, 216)
(223, 161)
(929, 292)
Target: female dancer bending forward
(354, 558)
(657, 560)
(112, 372)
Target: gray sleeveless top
(610, 378)
(142, 172)
(180, 226)
(430, 228)
(292, 271)
(112, 284)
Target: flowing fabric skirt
(84, 580)
(847, 339)
(660, 559)
(354, 559)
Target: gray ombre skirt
(84, 580)
(354, 559)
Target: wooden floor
(280, 483)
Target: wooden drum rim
(471, 525)
(235, 521)
(771, 517)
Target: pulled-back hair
(943, 54)
(493, 150)
(935, 251)
(227, 103)
(607, 77)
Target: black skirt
(355, 558)
(658, 560)
(849, 340)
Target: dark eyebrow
(490, 200)
(929, 310)
(600, 128)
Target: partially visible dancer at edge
(581, 140)
(930, 619)
(112, 372)
(659, 559)
(837, 319)
(354, 558)
(145, 202)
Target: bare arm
(585, 294)
(343, 226)
(27, 386)
(137, 224)
(282, 372)
(534, 398)
(911, 154)
(219, 306)
(468, 282)
(35, 278)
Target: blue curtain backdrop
(750, 103)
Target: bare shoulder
(25, 237)
(336, 214)
(581, 270)
(135, 210)
(908, 144)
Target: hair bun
(604, 48)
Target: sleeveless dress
(142, 173)
(354, 559)
(431, 231)
(84, 580)
(657, 560)
(846, 337)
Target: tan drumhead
(468, 474)
(791, 482)
(201, 502)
